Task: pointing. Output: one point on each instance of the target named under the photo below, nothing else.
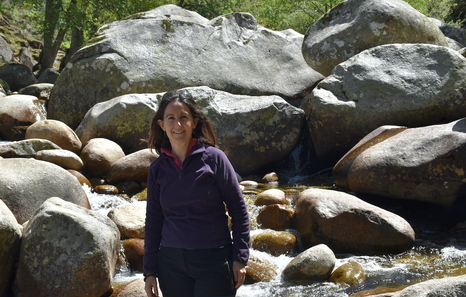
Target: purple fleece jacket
(186, 207)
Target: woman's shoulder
(213, 151)
(157, 161)
(216, 155)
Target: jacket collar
(194, 147)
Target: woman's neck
(180, 151)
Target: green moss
(167, 26)
(137, 124)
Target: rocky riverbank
(387, 115)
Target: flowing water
(439, 251)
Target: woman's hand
(239, 272)
(151, 286)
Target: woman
(188, 246)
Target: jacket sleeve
(237, 210)
(154, 223)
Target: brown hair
(203, 132)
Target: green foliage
(56, 19)
(449, 11)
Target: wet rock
(17, 76)
(67, 250)
(81, 178)
(231, 53)
(347, 224)
(313, 265)
(134, 252)
(271, 196)
(249, 184)
(256, 272)
(10, 240)
(26, 148)
(99, 155)
(276, 217)
(62, 158)
(349, 273)
(132, 167)
(26, 183)
(130, 220)
(423, 164)
(57, 132)
(357, 25)
(134, 288)
(106, 189)
(410, 85)
(129, 187)
(17, 113)
(270, 177)
(273, 242)
(378, 292)
(449, 286)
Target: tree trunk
(77, 40)
(53, 37)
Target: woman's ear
(160, 122)
(195, 123)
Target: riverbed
(439, 251)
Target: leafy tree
(75, 21)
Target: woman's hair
(204, 131)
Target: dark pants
(196, 273)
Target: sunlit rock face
(170, 48)
(357, 25)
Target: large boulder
(62, 158)
(133, 249)
(39, 90)
(57, 132)
(130, 220)
(423, 164)
(453, 33)
(170, 48)
(10, 240)
(99, 154)
(26, 148)
(275, 243)
(357, 25)
(449, 286)
(315, 264)
(17, 76)
(125, 120)
(347, 224)
(67, 250)
(252, 130)
(26, 183)
(409, 85)
(132, 167)
(134, 288)
(17, 113)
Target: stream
(439, 250)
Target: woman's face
(178, 123)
